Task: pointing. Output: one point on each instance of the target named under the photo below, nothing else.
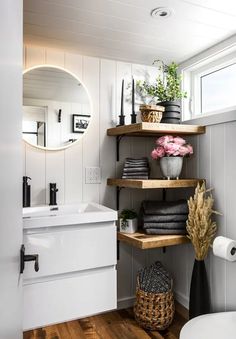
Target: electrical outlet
(92, 175)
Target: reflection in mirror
(56, 108)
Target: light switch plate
(92, 175)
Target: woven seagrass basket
(151, 113)
(154, 311)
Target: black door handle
(28, 257)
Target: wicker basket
(154, 311)
(151, 113)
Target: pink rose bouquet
(170, 146)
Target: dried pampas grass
(201, 229)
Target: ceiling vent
(161, 12)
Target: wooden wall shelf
(153, 183)
(153, 129)
(147, 129)
(145, 241)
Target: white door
(10, 168)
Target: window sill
(213, 119)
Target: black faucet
(53, 194)
(26, 191)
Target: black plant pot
(172, 112)
(199, 302)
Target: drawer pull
(28, 257)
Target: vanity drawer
(83, 294)
(70, 248)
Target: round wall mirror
(56, 108)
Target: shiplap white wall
(102, 77)
(213, 160)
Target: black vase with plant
(201, 231)
(166, 91)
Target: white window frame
(193, 70)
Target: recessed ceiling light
(161, 12)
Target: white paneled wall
(213, 159)
(67, 167)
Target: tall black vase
(199, 302)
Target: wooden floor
(111, 325)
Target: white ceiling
(124, 29)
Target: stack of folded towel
(164, 217)
(136, 168)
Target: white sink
(49, 216)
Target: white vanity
(76, 245)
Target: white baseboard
(125, 302)
(182, 299)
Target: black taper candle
(122, 99)
(133, 115)
(122, 116)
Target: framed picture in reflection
(80, 123)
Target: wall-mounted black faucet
(26, 191)
(59, 115)
(53, 193)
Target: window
(210, 81)
(218, 89)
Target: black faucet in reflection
(53, 194)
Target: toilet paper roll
(224, 248)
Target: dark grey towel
(128, 165)
(136, 176)
(162, 231)
(163, 218)
(136, 160)
(135, 169)
(165, 207)
(165, 225)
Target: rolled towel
(165, 231)
(163, 218)
(165, 207)
(165, 225)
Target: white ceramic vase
(128, 225)
(171, 167)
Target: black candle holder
(121, 120)
(133, 118)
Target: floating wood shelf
(145, 241)
(147, 129)
(153, 183)
(153, 129)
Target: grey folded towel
(144, 159)
(136, 176)
(165, 231)
(165, 225)
(163, 218)
(145, 165)
(165, 207)
(135, 169)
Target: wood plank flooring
(111, 325)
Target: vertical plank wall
(67, 168)
(213, 159)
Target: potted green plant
(128, 221)
(166, 91)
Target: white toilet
(210, 326)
